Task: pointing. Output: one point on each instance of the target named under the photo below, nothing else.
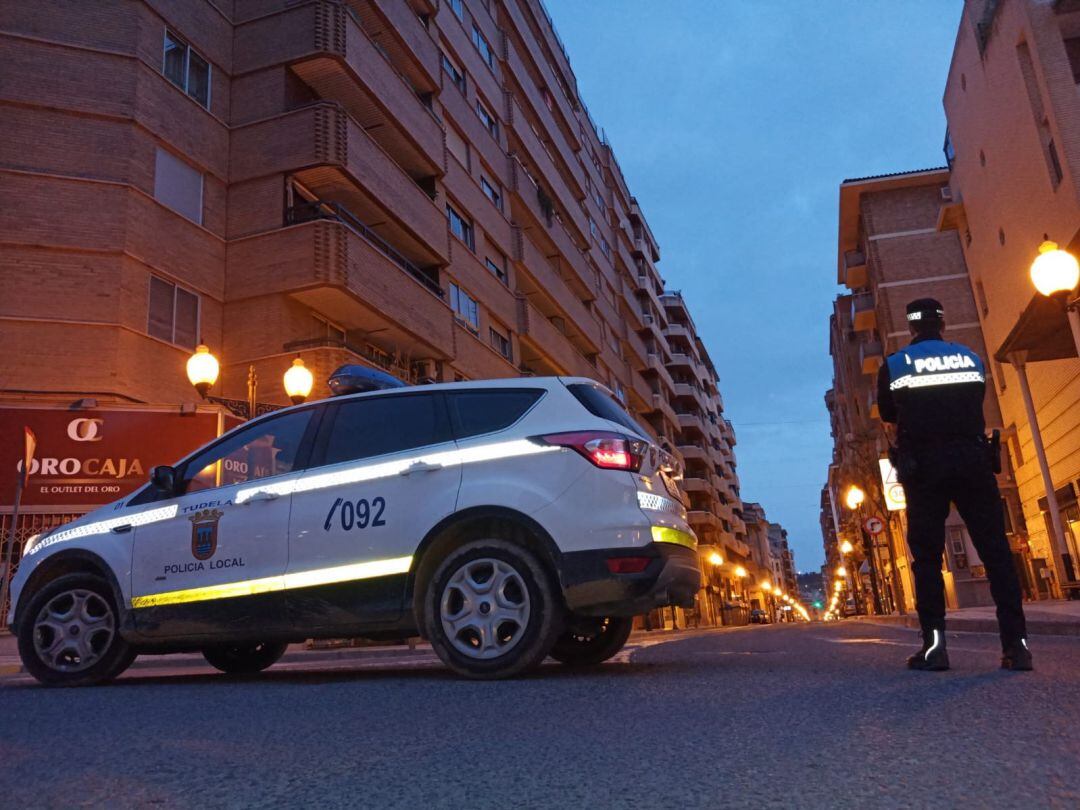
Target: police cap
(925, 309)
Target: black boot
(1015, 655)
(933, 656)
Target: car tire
(70, 633)
(590, 641)
(244, 659)
(491, 610)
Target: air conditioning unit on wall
(426, 372)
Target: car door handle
(126, 527)
(261, 495)
(421, 466)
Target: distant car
(503, 520)
(759, 616)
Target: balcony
(693, 452)
(526, 138)
(855, 274)
(350, 276)
(871, 356)
(863, 312)
(533, 210)
(701, 520)
(639, 388)
(656, 367)
(544, 346)
(328, 50)
(334, 158)
(691, 421)
(635, 349)
(543, 278)
(661, 405)
(396, 28)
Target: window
(592, 227)
(497, 267)
(501, 343)
(465, 307)
(598, 403)
(456, 74)
(1072, 50)
(374, 426)
(456, 7)
(457, 145)
(182, 66)
(487, 119)
(270, 447)
(173, 314)
(950, 151)
(324, 330)
(980, 293)
(605, 247)
(477, 412)
(483, 46)
(491, 192)
(1055, 162)
(178, 186)
(461, 227)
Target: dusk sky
(734, 123)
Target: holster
(904, 463)
(993, 450)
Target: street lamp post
(203, 369)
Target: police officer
(932, 391)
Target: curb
(1036, 627)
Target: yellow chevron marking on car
(299, 579)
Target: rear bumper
(672, 577)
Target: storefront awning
(1042, 332)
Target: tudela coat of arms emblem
(204, 531)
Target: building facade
(1013, 148)
(415, 185)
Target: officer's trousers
(959, 472)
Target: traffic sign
(874, 525)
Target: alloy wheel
(485, 608)
(74, 630)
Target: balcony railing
(308, 211)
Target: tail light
(609, 451)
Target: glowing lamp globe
(766, 586)
(716, 559)
(202, 369)
(846, 547)
(1054, 270)
(298, 382)
(854, 497)
(740, 572)
(841, 571)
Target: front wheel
(588, 641)
(244, 659)
(491, 610)
(70, 635)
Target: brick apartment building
(1013, 148)
(411, 184)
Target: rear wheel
(244, 659)
(590, 641)
(70, 634)
(491, 611)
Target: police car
(504, 521)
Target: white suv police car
(502, 520)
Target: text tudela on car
(504, 521)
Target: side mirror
(164, 479)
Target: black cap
(925, 309)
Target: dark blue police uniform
(933, 391)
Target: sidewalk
(1058, 618)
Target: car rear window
(599, 403)
(486, 411)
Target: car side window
(375, 426)
(478, 412)
(270, 447)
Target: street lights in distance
(203, 369)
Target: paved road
(803, 716)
